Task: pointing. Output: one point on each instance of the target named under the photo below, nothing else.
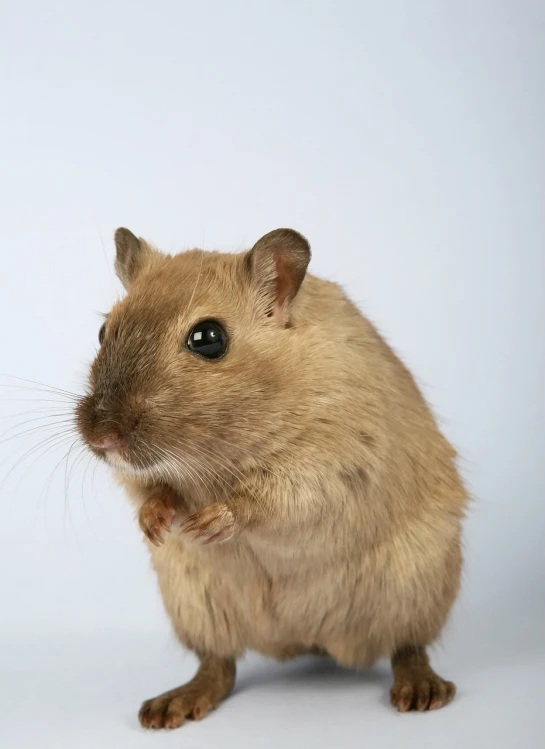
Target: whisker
(24, 388)
(67, 512)
(69, 469)
(51, 388)
(195, 475)
(49, 441)
(43, 448)
(10, 399)
(51, 410)
(49, 425)
(214, 457)
(45, 489)
(49, 431)
(89, 463)
(93, 476)
(78, 460)
(202, 475)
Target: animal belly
(218, 599)
(227, 599)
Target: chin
(159, 470)
(117, 461)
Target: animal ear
(132, 255)
(277, 264)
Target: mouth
(123, 462)
(120, 454)
(110, 446)
(115, 439)
(114, 450)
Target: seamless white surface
(406, 141)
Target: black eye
(208, 339)
(101, 334)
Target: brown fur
(310, 502)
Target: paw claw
(155, 519)
(163, 522)
(212, 539)
(213, 524)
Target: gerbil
(294, 489)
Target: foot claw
(172, 709)
(201, 708)
(422, 692)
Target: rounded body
(358, 548)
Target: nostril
(111, 441)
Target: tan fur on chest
(320, 585)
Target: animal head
(197, 362)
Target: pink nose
(110, 441)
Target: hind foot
(213, 681)
(416, 685)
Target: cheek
(96, 373)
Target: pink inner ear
(282, 280)
(283, 287)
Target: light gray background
(405, 139)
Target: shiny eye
(101, 334)
(208, 339)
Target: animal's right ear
(132, 255)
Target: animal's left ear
(133, 255)
(277, 264)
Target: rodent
(293, 487)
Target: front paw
(213, 524)
(155, 519)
